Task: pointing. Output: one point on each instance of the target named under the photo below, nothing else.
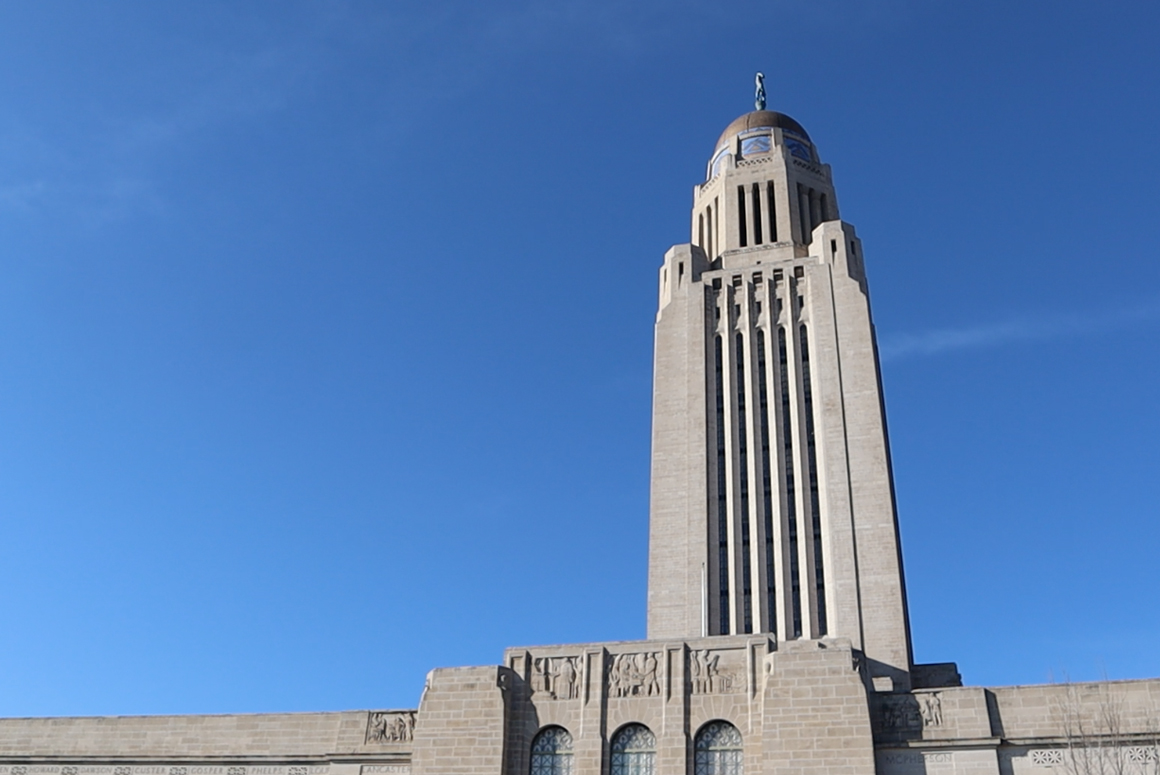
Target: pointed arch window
(552, 752)
(634, 751)
(717, 750)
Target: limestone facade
(778, 633)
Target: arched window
(634, 751)
(552, 752)
(717, 750)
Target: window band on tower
(709, 219)
(790, 490)
(812, 464)
(741, 233)
(766, 484)
(743, 500)
(769, 195)
(804, 213)
(756, 214)
(722, 498)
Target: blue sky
(325, 327)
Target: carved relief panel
(390, 726)
(634, 675)
(711, 672)
(558, 678)
(910, 712)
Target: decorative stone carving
(395, 726)
(930, 706)
(1143, 755)
(908, 712)
(1047, 757)
(706, 675)
(556, 677)
(634, 675)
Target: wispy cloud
(1016, 330)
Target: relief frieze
(911, 713)
(634, 675)
(707, 676)
(556, 677)
(385, 727)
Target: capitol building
(778, 633)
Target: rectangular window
(772, 211)
(741, 234)
(756, 214)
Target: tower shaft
(772, 502)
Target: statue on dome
(759, 98)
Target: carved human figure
(711, 677)
(651, 685)
(566, 680)
(931, 708)
(695, 672)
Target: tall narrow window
(771, 201)
(743, 471)
(804, 213)
(722, 498)
(741, 235)
(790, 489)
(634, 751)
(756, 214)
(812, 463)
(715, 228)
(824, 207)
(552, 752)
(717, 750)
(701, 231)
(766, 484)
(709, 219)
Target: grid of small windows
(552, 752)
(634, 751)
(717, 750)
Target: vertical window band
(790, 489)
(741, 233)
(766, 484)
(812, 463)
(743, 501)
(722, 499)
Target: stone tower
(772, 501)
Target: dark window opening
(756, 214)
(741, 235)
(772, 211)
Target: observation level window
(756, 145)
(799, 148)
(718, 160)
